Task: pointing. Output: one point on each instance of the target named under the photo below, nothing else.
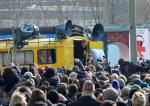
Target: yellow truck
(50, 52)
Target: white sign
(142, 43)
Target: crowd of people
(93, 84)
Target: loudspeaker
(98, 33)
(64, 29)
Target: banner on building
(142, 43)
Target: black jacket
(86, 101)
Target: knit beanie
(125, 92)
(121, 82)
(136, 81)
(136, 87)
(132, 92)
(111, 94)
(144, 85)
(115, 84)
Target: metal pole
(14, 45)
(132, 18)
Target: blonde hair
(18, 99)
(88, 86)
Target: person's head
(24, 70)
(28, 75)
(75, 68)
(99, 94)
(121, 103)
(115, 84)
(73, 89)
(125, 92)
(18, 99)
(73, 75)
(62, 88)
(121, 82)
(144, 85)
(114, 76)
(41, 71)
(25, 91)
(53, 96)
(121, 61)
(109, 103)
(123, 77)
(138, 99)
(76, 82)
(32, 70)
(37, 95)
(64, 79)
(111, 94)
(84, 43)
(7, 73)
(30, 83)
(43, 88)
(49, 72)
(88, 86)
(45, 83)
(43, 53)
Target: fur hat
(111, 94)
(138, 99)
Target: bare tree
(143, 7)
(60, 11)
(17, 13)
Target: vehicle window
(5, 58)
(47, 56)
(29, 57)
(24, 57)
(1, 59)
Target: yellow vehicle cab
(48, 51)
